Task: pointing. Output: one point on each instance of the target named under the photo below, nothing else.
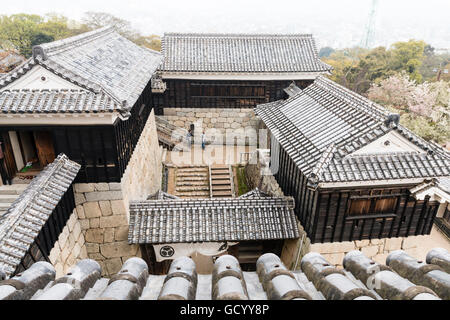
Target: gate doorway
(26, 153)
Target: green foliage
(408, 56)
(325, 52)
(22, 31)
(358, 68)
(242, 181)
(152, 42)
(426, 128)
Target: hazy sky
(336, 23)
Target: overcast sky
(336, 23)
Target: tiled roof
(22, 222)
(234, 53)
(52, 101)
(362, 279)
(292, 90)
(255, 193)
(100, 61)
(212, 220)
(321, 126)
(161, 195)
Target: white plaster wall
(32, 80)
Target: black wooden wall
(324, 213)
(220, 93)
(47, 237)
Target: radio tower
(370, 27)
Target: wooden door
(44, 147)
(9, 161)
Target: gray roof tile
(361, 279)
(234, 53)
(22, 222)
(212, 220)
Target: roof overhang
(64, 119)
(431, 189)
(370, 183)
(240, 76)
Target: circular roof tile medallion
(167, 251)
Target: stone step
(182, 179)
(225, 194)
(193, 169)
(188, 166)
(220, 182)
(220, 166)
(185, 189)
(220, 171)
(8, 198)
(193, 183)
(220, 177)
(221, 187)
(182, 174)
(193, 194)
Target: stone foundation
(70, 247)
(103, 207)
(294, 248)
(239, 126)
(259, 176)
(334, 252)
(376, 249)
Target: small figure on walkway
(189, 139)
(203, 140)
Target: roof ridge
(45, 49)
(220, 34)
(384, 154)
(322, 163)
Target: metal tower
(370, 27)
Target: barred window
(372, 206)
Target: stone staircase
(8, 194)
(192, 182)
(221, 181)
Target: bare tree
(95, 20)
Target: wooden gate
(9, 164)
(44, 147)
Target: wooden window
(370, 206)
(230, 91)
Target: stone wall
(376, 249)
(102, 214)
(258, 175)
(218, 123)
(143, 174)
(294, 249)
(70, 247)
(103, 207)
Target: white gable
(40, 78)
(389, 143)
